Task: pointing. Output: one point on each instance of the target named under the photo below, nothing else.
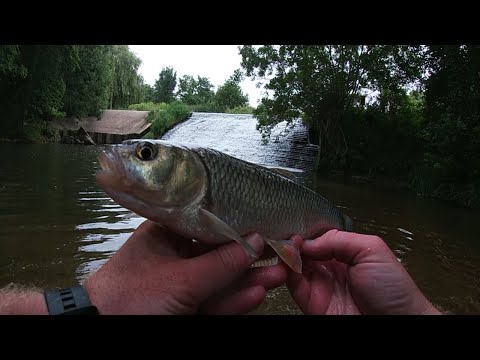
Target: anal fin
(263, 262)
(288, 253)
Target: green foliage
(39, 94)
(88, 81)
(384, 143)
(210, 107)
(178, 109)
(241, 110)
(230, 95)
(127, 85)
(13, 74)
(10, 63)
(162, 116)
(147, 106)
(193, 91)
(148, 93)
(38, 132)
(451, 132)
(149, 135)
(322, 83)
(165, 85)
(41, 83)
(161, 121)
(428, 138)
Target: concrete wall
(102, 138)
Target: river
(57, 225)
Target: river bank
(163, 121)
(72, 130)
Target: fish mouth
(112, 169)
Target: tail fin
(348, 223)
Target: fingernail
(255, 241)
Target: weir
(238, 136)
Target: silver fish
(215, 198)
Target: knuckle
(377, 240)
(378, 243)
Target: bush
(38, 132)
(148, 106)
(208, 107)
(162, 116)
(241, 110)
(162, 120)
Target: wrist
(96, 292)
(23, 302)
(38, 304)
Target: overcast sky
(216, 62)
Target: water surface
(57, 225)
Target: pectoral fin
(218, 226)
(288, 253)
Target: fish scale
(216, 198)
(252, 198)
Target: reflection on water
(58, 226)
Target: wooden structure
(113, 127)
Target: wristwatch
(69, 301)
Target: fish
(215, 198)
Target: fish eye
(145, 152)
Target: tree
(13, 73)
(195, 91)
(40, 83)
(148, 93)
(89, 81)
(165, 85)
(10, 63)
(127, 84)
(230, 95)
(451, 131)
(321, 84)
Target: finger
(297, 240)
(157, 239)
(197, 248)
(170, 243)
(349, 248)
(299, 287)
(269, 277)
(239, 302)
(148, 240)
(312, 290)
(150, 227)
(221, 266)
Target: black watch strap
(69, 301)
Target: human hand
(349, 273)
(157, 272)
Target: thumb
(218, 268)
(347, 247)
